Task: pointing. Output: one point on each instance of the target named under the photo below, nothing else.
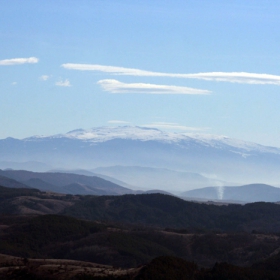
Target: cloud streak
(17, 61)
(173, 126)
(232, 77)
(111, 69)
(65, 83)
(237, 77)
(44, 77)
(115, 86)
(118, 122)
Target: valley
(117, 236)
(175, 162)
(117, 220)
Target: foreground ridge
(163, 268)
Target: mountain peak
(215, 156)
(107, 133)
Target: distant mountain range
(70, 183)
(155, 178)
(67, 183)
(203, 159)
(26, 165)
(10, 183)
(247, 193)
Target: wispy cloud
(118, 122)
(232, 77)
(115, 86)
(65, 83)
(173, 126)
(16, 61)
(237, 77)
(44, 77)
(14, 83)
(111, 69)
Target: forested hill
(169, 211)
(130, 230)
(154, 210)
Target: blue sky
(186, 66)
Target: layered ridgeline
(245, 194)
(70, 183)
(66, 183)
(207, 159)
(144, 210)
(131, 230)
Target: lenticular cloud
(237, 77)
(231, 77)
(115, 86)
(15, 61)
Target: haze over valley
(142, 158)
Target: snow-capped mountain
(217, 157)
(103, 134)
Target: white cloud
(173, 126)
(111, 69)
(115, 86)
(44, 77)
(15, 61)
(65, 83)
(237, 77)
(232, 77)
(14, 83)
(118, 122)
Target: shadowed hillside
(66, 183)
(130, 230)
(161, 268)
(53, 236)
(168, 211)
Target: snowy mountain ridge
(217, 157)
(103, 134)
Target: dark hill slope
(7, 193)
(53, 236)
(33, 234)
(120, 244)
(154, 210)
(40, 184)
(11, 183)
(168, 211)
(272, 263)
(59, 182)
(161, 268)
(20, 201)
(165, 268)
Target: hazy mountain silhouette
(65, 182)
(246, 193)
(216, 157)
